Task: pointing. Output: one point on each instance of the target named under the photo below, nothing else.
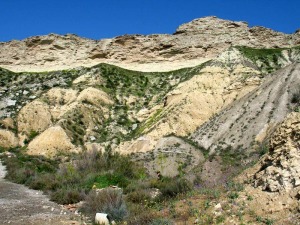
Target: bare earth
(20, 205)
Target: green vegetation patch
(63, 179)
(268, 60)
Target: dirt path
(21, 206)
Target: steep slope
(221, 96)
(279, 170)
(109, 107)
(101, 104)
(193, 42)
(274, 180)
(251, 118)
(219, 82)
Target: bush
(263, 149)
(140, 214)
(296, 98)
(233, 186)
(170, 187)
(67, 196)
(139, 196)
(136, 185)
(109, 201)
(161, 221)
(233, 195)
(82, 173)
(108, 179)
(45, 182)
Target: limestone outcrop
(280, 169)
(191, 43)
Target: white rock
(10, 102)
(134, 126)
(297, 181)
(92, 138)
(101, 218)
(218, 206)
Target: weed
(263, 149)
(233, 195)
(161, 221)
(220, 219)
(140, 214)
(139, 196)
(249, 198)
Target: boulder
(101, 219)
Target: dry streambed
(20, 205)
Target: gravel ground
(21, 206)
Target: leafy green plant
(233, 195)
(109, 179)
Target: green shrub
(161, 221)
(108, 201)
(296, 97)
(67, 195)
(170, 187)
(109, 179)
(45, 182)
(211, 193)
(140, 214)
(233, 195)
(86, 170)
(139, 196)
(136, 185)
(263, 149)
(233, 186)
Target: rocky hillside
(274, 180)
(203, 103)
(193, 42)
(251, 118)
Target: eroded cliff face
(280, 170)
(273, 182)
(200, 103)
(249, 120)
(191, 44)
(105, 106)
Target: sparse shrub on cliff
(296, 97)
